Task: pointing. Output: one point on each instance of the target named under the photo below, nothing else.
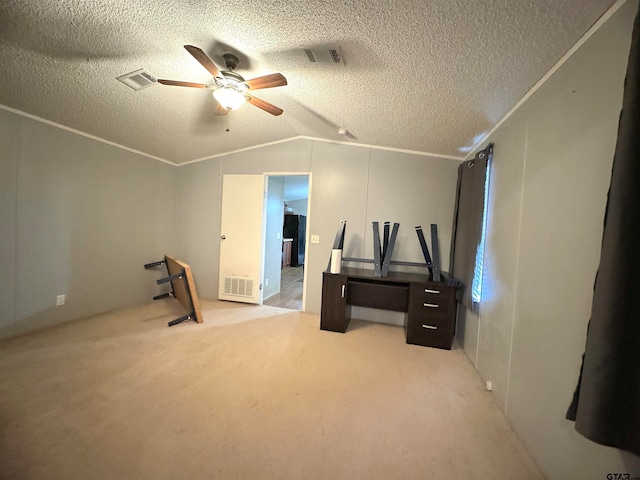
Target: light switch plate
(315, 238)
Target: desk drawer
(429, 308)
(430, 322)
(385, 296)
(430, 299)
(429, 335)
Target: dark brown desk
(430, 306)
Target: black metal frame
(170, 279)
(382, 251)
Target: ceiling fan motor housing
(230, 61)
(233, 76)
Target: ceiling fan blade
(266, 106)
(220, 110)
(204, 60)
(267, 81)
(177, 83)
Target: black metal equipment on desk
(382, 254)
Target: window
(476, 288)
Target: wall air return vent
(139, 79)
(324, 55)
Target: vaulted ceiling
(421, 75)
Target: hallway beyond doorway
(290, 295)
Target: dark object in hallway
(295, 227)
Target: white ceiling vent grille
(324, 55)
(238, 286)
(139, 79)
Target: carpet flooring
(255, 392)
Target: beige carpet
(253, 393)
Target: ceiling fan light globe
(229, 98)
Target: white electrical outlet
(266, 282)
(278, 235)
(489, 385)
(60, 299)
(315, 238)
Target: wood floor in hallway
(290, 295)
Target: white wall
(198, 217)
(273, 236)
(300, 207)
(8, 220)
(79, 217)
(549, 182)
(350, 183)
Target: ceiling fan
(229, 88)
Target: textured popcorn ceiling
(423, 75)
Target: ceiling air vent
(139, 79)
(324, 55)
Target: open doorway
(285, 240)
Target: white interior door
(241, 238)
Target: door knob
(223, 237)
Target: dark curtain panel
(606, 404)
(467, 226)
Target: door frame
(307, 236)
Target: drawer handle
(430, 327)
(343, 289)
(426, 290)
(431, 305)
